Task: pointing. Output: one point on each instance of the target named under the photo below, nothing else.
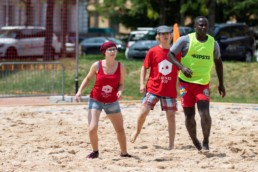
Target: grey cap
(164, 29)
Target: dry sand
(54, 138)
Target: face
(111, 51)
(202, 26)
(166, 36)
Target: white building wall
(82, 18)
(39, 15)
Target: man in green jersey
(199, 52)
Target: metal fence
(19, 79)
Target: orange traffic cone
(176, 32)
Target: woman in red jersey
(105, 94)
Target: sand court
(54, 137)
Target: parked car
(140, 48)
(136, 35)
(25, 41)
(236, 41)
(92, 45)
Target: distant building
(98, 21)
(14, 13)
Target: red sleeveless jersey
(163, 74)
(106, 86)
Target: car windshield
(116, 41)
(151, 35)
(136, 37)
(8, 33)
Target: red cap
(106, 45)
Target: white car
(25, 41)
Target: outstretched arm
(86, 80)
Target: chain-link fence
(33, 32)
(31, 79)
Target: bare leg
(203, 107)
(190, 124)
(117, 121)
(141, 119)
(171, 128)
(93, 120)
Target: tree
(246, 11)
(140, 13)
(28, 12)
(211, 4)
(64, 21)
(64, 26)
(48, 51)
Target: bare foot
(134, 137)
(170, 147)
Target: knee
(120, 131)
(189, 117)
(205, 116)
(171, 117)
(93, 130)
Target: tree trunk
(211, 16)
(64, 35)
(48, 50)
(162, 18)
(28, 12)
(182, 16)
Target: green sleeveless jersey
(199, 59)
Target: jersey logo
(165, 67)
(107, 89)
(206, 92)
(182, 91)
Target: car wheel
(248, 56)
(11, 53)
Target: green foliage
(149, 13)
(194, 8)
(243, 10)
(140, 13)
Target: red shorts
(192, 93)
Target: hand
(222, 90)
(142, 88)
(78, 97)
(119, 95)
(187, 72)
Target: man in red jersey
(161, 84)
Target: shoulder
(95, 65)
(154, 48)
(121, 64)
(183, 39)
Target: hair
(106, 45)
(158, 36)
(196, 20)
